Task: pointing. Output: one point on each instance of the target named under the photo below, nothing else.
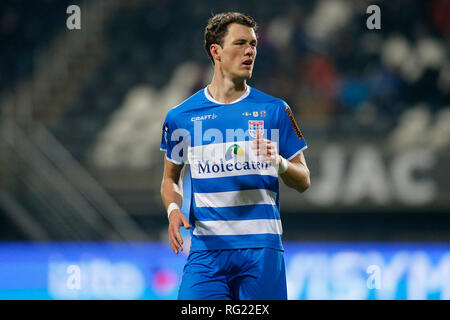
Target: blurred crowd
(25, 27)
(319, 56)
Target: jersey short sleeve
(173, 140)
(291, 140)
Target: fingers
(175, 239)
(264, 147)
(186, 223)
(266, 150)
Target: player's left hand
(266, 149)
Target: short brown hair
(217, 27)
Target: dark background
(81, 114)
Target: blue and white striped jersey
(234, 196)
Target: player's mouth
(248, 63)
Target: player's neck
(226, 90)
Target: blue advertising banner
(328, 270)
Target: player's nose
(250, 51)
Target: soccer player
(237, 141)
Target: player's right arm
(170, 193)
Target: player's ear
(215, 51)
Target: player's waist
(224, 242)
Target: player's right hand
(176, 220)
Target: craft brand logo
(205, 117)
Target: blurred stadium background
(80, 124)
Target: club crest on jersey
(254, 126)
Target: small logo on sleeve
(294, 123)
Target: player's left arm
(294, 172)
(297, 174)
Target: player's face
(238, 51)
